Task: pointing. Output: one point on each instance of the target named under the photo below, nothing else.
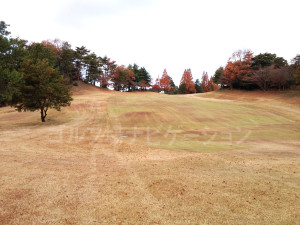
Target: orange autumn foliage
(122, 77)
(238, 66)
(165, 83)
(187, 79)
(54, 45)
(207, 84)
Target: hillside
(148, 158)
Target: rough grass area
(146, 158)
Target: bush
(75, 84)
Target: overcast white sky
(159, 34)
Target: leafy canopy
(43, 88)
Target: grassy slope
(93, 163)
(184, 122)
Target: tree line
(74, 64)
(38, 76)
(264, 71)
(186, 86)
(16, 55)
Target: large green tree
(218, 74)
(80, 54)
(12, 53)
(267, 59)
(4, 49)
(263, 60)
(66, 61)
(38, 52)
(142, 77)
(44, 88)
(93, 68)
(10, 83)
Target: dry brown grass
(289, 97)
(72, 170)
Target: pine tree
(198, 86)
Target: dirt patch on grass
(138, 114)
(137, 117)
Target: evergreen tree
(93, 68)
(182, 89)
(12, 52)
(43, 88)
(142, 77)
(198, 86)
(108, 67)
(66, 61)
(218, 74)
(80, 54)
(173, 87)
(10, 83)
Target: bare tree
(261, 77)
(282, 78)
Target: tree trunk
(43, 114)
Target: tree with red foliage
(122, 78)
(187, 79)
(55, 45)
(165, 83)
(213, 85)
(238, 67)
(156, 86)
(205, 84)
